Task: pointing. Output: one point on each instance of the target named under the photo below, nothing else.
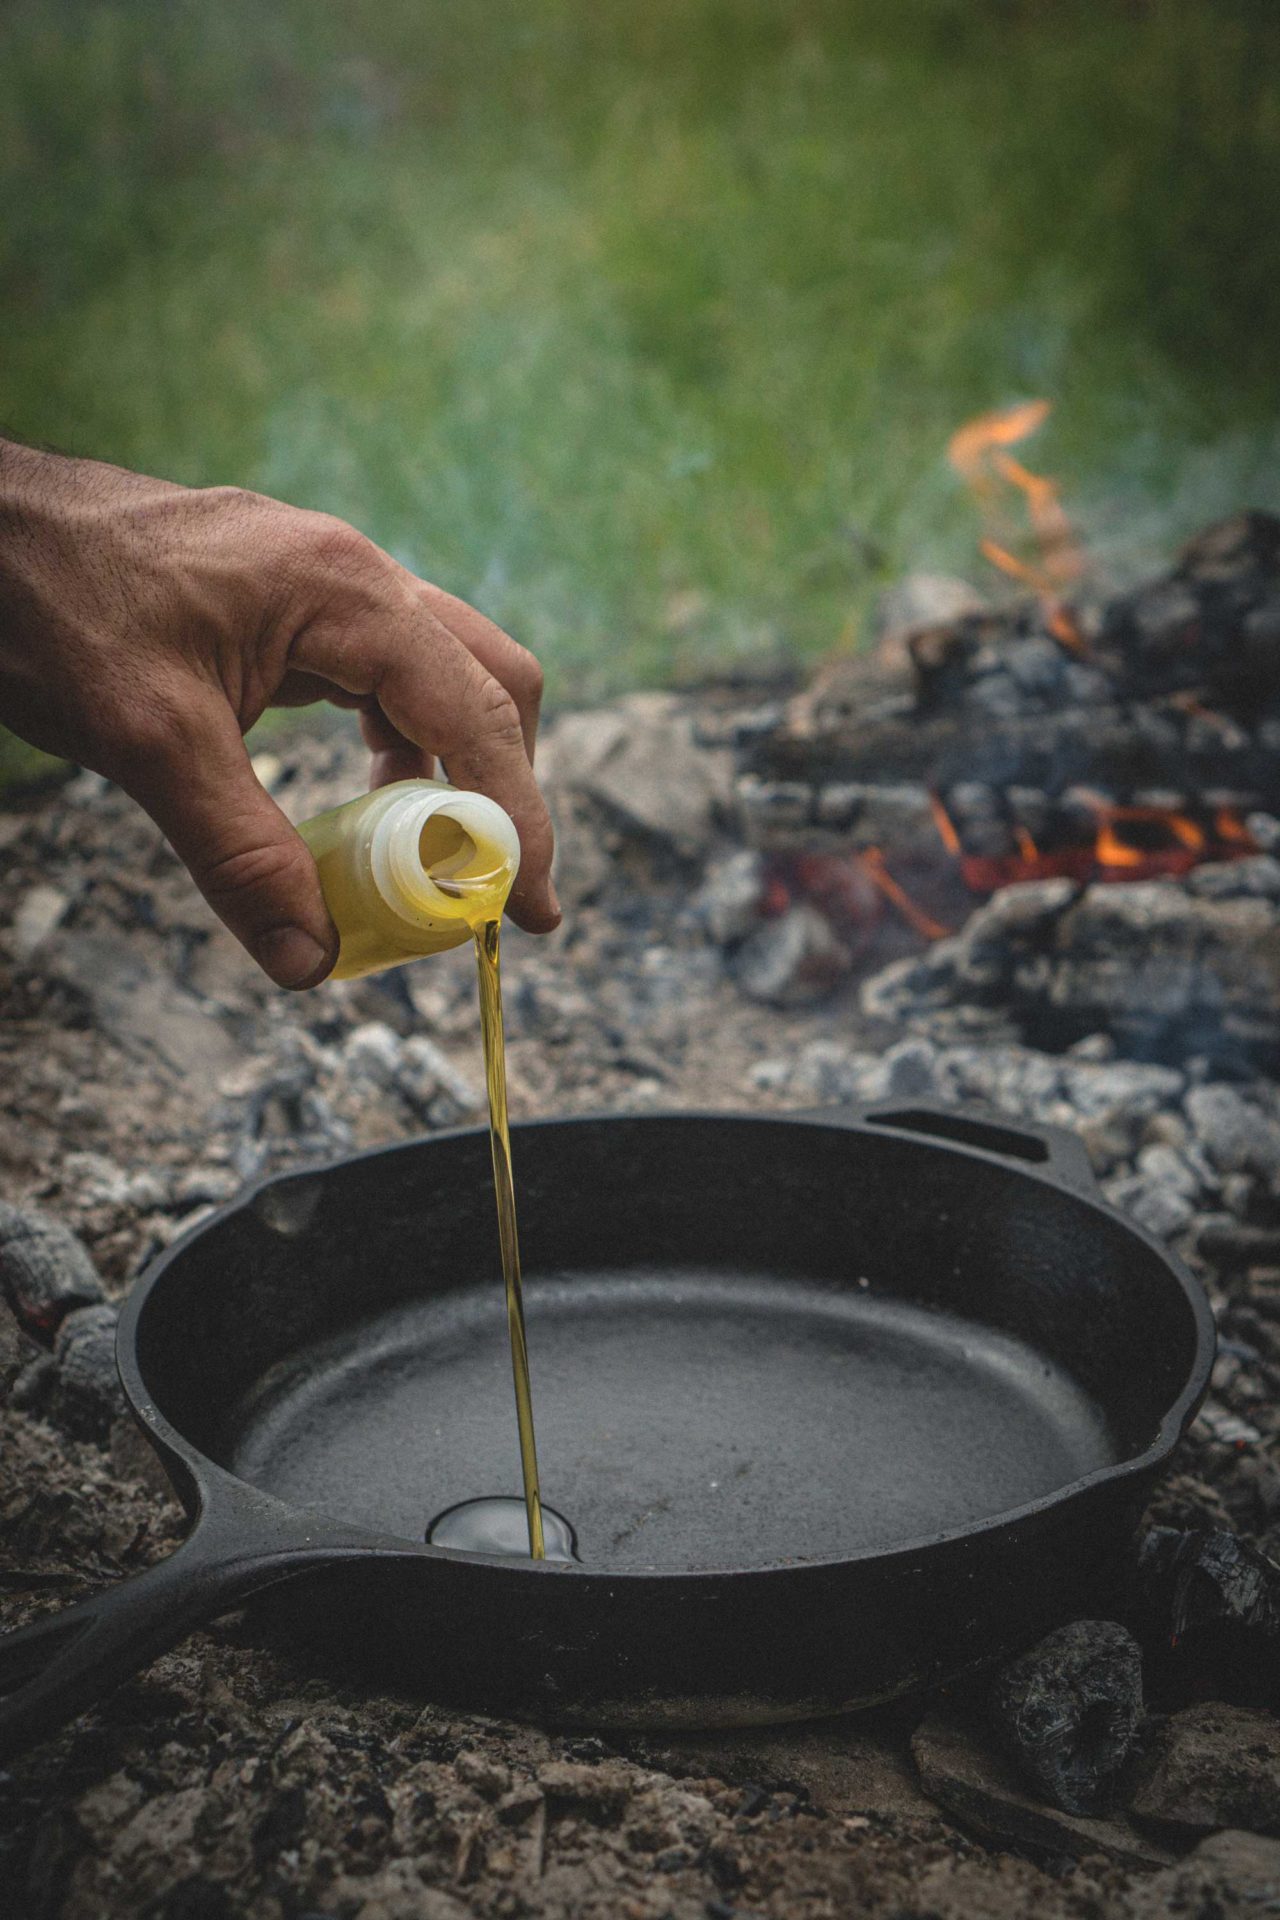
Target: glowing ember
(946, 831)
(1127, 843)
(852, 889)
(925, 925)
(978, 452)
(1146, 837)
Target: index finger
(511, 665)
(435, 692)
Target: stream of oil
(495, 1073)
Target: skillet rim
(206, 1474)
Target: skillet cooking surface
(686, 1419)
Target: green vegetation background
(644, 326)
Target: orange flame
(1114, 850)
(872, 862)
(977, 452)
(1232, 831)
(942, 821)
(1127, 843)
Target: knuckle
(499, 714)
(250, 869)
(527, 676)
(232, 499)
(341, 548)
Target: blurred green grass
(645, 328)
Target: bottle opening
(446, 850)
(457, 863)
(439, 854)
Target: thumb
(250, 864)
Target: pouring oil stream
(495, 1072)
(411, 869)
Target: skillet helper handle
(61, 1665)
(1055, 1150)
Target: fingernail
(554, 898)
(293, 957)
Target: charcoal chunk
(1207, 1607)
(1069, 1709)
(87, 1395)
(45, 1271)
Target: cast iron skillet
(836, 1404)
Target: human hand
(145, 627)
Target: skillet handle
(65, 1663)
(1055, 1150)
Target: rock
(1264, 828)
(204, 1186)
(430, 1081)
(731, 896)
(39, 913)
(586, 842)
(95, 1180)
(604, 1788)
(1068, 1712)
(17, 1352)
(911, 1071)
(1160, 1208)
(116, 981)
(45, 1271)
(87, 1395)
(792, 961)
(1164, 1165)
(1212, 1765)
(961, 1773)
(1230, 1873)
(1237, 1136)
(641, 760)
(373, 1053)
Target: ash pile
(1007, 859)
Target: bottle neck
(444, 855)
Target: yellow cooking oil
(411, 869)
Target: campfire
(1118, 843)
(1063, 736)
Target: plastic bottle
(411, 869)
